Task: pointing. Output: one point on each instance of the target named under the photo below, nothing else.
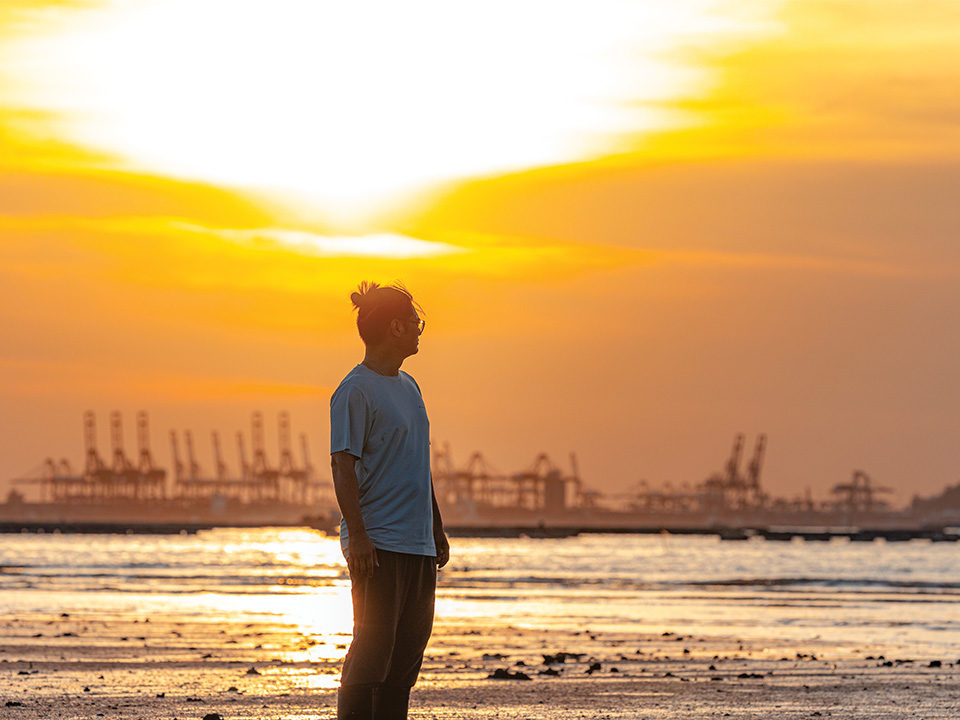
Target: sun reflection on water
(284, 594)
(310, 679)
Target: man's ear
(396, 327)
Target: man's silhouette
(391, 532)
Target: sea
(898, 596)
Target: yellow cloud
(844, 79)
(58, 378)
(342, 108)
(811, 263)
(179, 278)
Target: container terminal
(139, 494)
(135, 494)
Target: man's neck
(382, 363)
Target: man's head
(387, 315)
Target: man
(391, 532)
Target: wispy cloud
(52, 378)
(807, 263)
(384, 245)
(391, 245)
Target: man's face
(413, 326)
(409, 333)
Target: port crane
(733, 490)
(858, 497)
(478, 486)
(122, 479)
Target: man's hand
(443, 548)
(363, 556)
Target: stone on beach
(561, 657)
(494, 656)
(504, 674)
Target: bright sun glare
(347, 103)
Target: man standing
(391, 532)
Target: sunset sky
(636, 228)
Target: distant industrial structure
(479, 493)
(122, 490)
(473, 496)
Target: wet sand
(156, 668)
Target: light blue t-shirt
(382, 421)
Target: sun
(346, 104)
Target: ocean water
(881, 595)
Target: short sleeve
(349, 420)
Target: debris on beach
(253, 671)
(561, 657)
(504, 674)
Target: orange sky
(753, 229)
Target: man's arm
(362, 555)
(439, 536)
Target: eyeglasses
(421, 324)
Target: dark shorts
(392, 621)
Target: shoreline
(84, 666)
(734, 532)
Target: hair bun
(365, 296)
